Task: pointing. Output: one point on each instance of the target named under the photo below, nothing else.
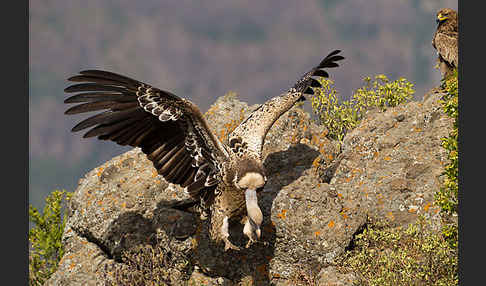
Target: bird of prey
(445, 40)
(223, 178)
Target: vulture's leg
(225, 235)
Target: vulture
(223, 178)
(445, 41)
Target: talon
(229, 245)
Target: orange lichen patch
(124, 205)
(293, 139)
(273, 223)
(282, 214)
(300, 163)
(413, 210)
(157, 182)
(427, 206)
(154, 173)
(317, 233)
(316, 162)
(72, 265)
(418, 129)
(375, 155)
(193, 243)
(330, 157)
(344, 215)
(340, 195)
(100, 170)
(100, 203)
(387, 158)
(331, 224)
(348, 179)
(262, 268)
(173, 217)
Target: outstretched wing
(170, 130)
(447, 47)
(249, 136)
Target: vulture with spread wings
(445, 40)
(223, 178)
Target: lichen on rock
(316, 199)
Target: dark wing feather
(170, 130)
(252, 131)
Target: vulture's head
(250, 183)
(445, 14)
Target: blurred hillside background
(201, 51)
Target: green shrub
(339, 118)
(45, 246)
(402, 256)
(446, 197)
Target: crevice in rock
(352, 243)
(328, 173)
(91, 238)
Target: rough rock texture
(391, 163)
(389, 168)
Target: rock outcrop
(316, 199)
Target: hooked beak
(258, 233)
(441, 18)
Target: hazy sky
(201, 51)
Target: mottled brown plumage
(223, 178)
(445, 40)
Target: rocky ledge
(318, 196)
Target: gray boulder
(315, 201)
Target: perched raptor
(223, 178)
(445, 40)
